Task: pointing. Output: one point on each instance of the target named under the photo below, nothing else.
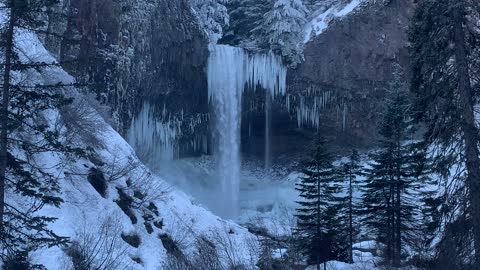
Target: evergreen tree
(212, 16)
(313, 5)
(351, 171)
(245, 16)
(317, 223)
(282, 28)
(445, 40)
(28, 139)
(393, 181)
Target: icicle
(155, 138)
(309, 107)
(344, 116)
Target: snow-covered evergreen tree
(32, 142)
(282, 29)
(212, 16)
(318, 225)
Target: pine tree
(394, 177)
(245, 16)
(28, 104)
(444, 41)
(212, 16)
(282, 28)
(351, 171)
(317, 223)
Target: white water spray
(229, 70)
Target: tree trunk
(4, 113)
(350, 220)
(390, 225)
(468, 124)
(398, 227)
(318, 215)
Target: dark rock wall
(129, 52)
(354, 59)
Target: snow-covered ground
(267, 200)
(89, 219)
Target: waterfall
(268, 117)
(230, 69)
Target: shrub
(125, 203)
(17, 261)
(102, 249)
(170, 245)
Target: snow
(321, 21)
(365, 245)
(84, 211)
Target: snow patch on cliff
(322, 19)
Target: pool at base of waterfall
(266, 197)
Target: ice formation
(309, 107)
(151, 138)
(155, 137)
(230, 69)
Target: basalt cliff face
(339, 90)
(132, 52)
(350, 65)
(147, 60)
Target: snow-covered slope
(137, 203)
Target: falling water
(268, 117)
(229, 70)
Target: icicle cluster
(240, 68)
(309, 107)
(155, 137)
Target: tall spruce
(317, 214)
(28, 138)
(352, 170)
(282, 29)
(444, 41)
(393, 179)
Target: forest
(240, 134)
